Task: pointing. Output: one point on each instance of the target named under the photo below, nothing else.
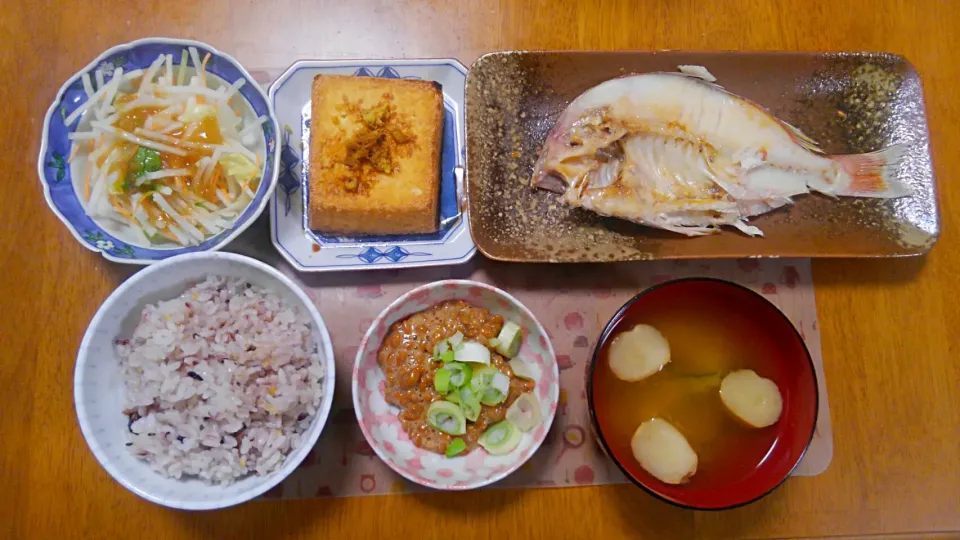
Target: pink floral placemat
(573, 302)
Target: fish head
(575, 151)
(585, 138)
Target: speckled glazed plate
(848, 102)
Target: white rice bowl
(227, 386)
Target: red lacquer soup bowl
(713, 327)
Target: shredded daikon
(137, 140)
(152, 151)
(234, 88)
(87, 86)
(251, 128)
(161, 174)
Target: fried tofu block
(375, 155)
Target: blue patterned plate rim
(356, 62)
(264, 192)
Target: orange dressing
(208, 190)
(134, 118)
(123, 99)
(208, 132)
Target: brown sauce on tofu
(374, 139)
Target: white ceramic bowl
(98, 387)
(378, 420)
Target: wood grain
(890, 328)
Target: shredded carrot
(116, 204)
(148, 207)
(86, 181)
(216, 175)
(203, 69)
(91, 145)
(73, 153)
(246, 183)
(166, 234)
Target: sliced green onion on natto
(443, 352)
(524, 412)
(482, 378)
(473, 352)
(441, 347)
(501, 438)
(452, 376)
(490, 385)
(508, 341)
(447, 417)
(441, 380)
(455, 447)
(469, 404)
(467, 381)
(460, 374)
(521, 369)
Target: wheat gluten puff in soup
(390, 185)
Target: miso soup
(712, 328)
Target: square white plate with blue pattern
(310, 251)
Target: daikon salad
(167, 152)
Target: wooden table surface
(890, 328)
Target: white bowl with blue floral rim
(60, 178)
(311, 251)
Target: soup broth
(709, 337)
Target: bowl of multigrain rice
(204, 380)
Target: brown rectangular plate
(848, 102)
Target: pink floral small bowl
(378, 419)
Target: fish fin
(688, 230)
(748, 230)
(803, 139)
(697, 78)
(874, 174)
(697, 71)
(756, 208)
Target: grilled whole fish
(676, 152)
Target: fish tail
(874, 174)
